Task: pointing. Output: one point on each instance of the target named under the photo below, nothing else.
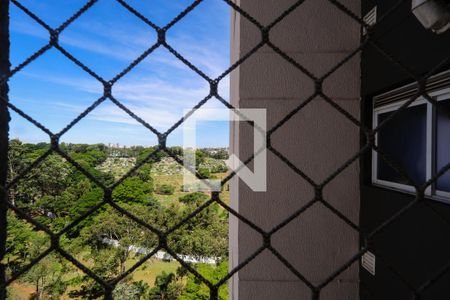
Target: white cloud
(121, 45)
(159, 91)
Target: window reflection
(403, 139)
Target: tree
(205, 234)
(16, 162)
(55, 193)
(91, 196)
(167, 287)
(220, 154)
(130, 290)
(195, 289)
(199, 157)
(134, 190)
(47, 277)
(112, 228)
(22, 246)
(111, 240)
(105, 264)
(47, 179)
(23, 243)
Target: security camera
(433, 14)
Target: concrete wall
(317, 140)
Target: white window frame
(443, 95)
(439, 95)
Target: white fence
(162, 255)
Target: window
(404, 139)
(417, 140)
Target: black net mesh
(164, 235)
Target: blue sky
(53, 90)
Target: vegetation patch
(107, 241)
(165, 189)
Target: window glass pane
(443, 144)
(403, 139)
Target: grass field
(147, 273)
(152, 268)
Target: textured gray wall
(317, 140)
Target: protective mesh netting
(265, 40)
